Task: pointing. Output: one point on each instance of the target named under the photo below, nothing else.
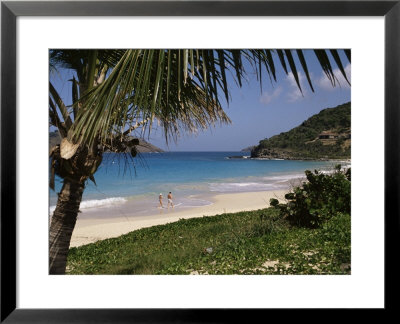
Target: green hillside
(326, 135)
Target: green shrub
(318, 199)
(274, 202)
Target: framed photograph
(42, 40)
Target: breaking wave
(241, 186)
(107, 202)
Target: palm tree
(117, 93)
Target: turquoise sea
(190, 176)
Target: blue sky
(255, 114)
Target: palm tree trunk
(63, 223)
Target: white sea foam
(284, 177)
(240, 186)
(191, 201)
(209, 203)
(108, 202)
(102, 202)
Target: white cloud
(266, 97)
(341, 82)
(294, 92)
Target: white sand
(91, 230)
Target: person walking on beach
(160, 197)
(170, 200)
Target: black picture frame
(10, 10)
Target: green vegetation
(303, 142)
(266, 241)
(318, 199)
(120, 94)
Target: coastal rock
(239, 157)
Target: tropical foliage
(120, 95)
(319, 199)
(180, 88)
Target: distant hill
(326, 135)
(143, 147)
(248, 149)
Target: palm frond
(326, 65)
(303, 63)
(293, 68)
(59, 102)
(155, 85)
(338, 61)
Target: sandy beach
(89, 230)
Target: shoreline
(300, 159)
(90, 230)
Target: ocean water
(190, 176)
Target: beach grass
(251, 242)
